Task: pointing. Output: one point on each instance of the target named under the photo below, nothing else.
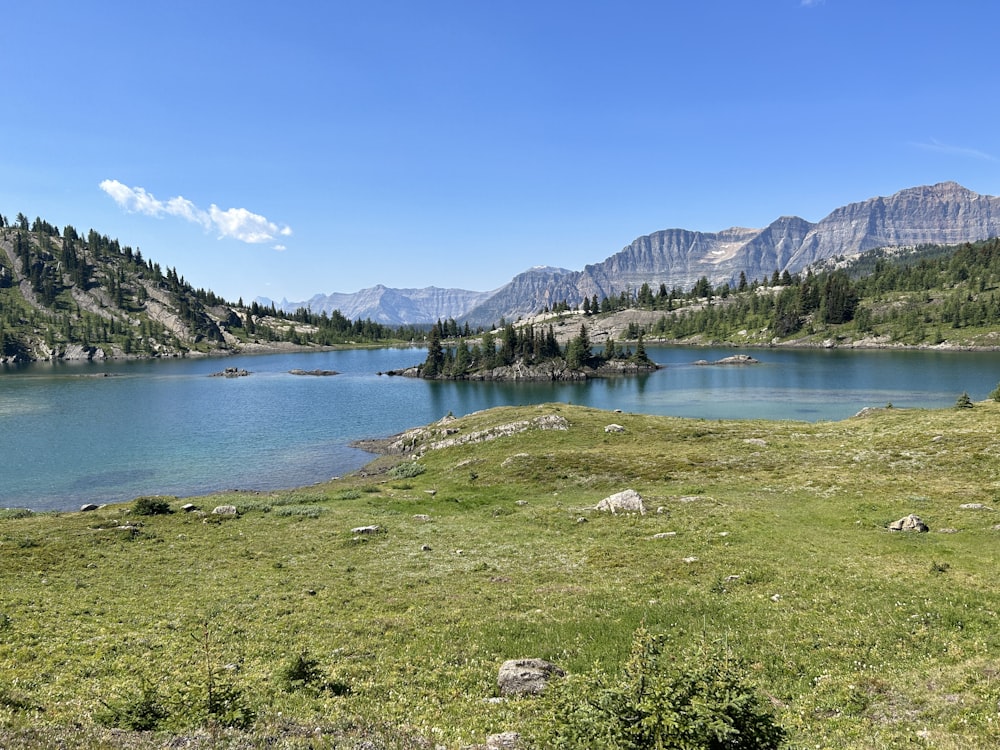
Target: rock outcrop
(526, 676)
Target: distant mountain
(946, 213)
(392, 306)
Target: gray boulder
(909, 523)
(225, 510)
(626, 501)
(526, 676)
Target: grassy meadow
(766, 541)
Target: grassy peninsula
(296, 624)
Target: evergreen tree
(434, 364)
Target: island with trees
(525, 353)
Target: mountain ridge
(943, 213)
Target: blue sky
(294, 148)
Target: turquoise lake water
(72, 435)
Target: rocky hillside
(65, 296)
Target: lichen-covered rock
(909, 523)
(626, 501)
(526, 676)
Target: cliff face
(946, 213)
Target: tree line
(525, 345)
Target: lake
(75, 433)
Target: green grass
(857, 637)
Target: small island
(526, 355)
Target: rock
(626, 501)
(736, 359)
(421, 517)
(189, 507)
(614, 428)
(974, 506)
(88, 507)
(230, 372)
(908, 523)
(317, 373)
(225, 510)
(425, 548)
(664, 535)
(526, 676)
(364, 530)
(503, 741)
(690, 559)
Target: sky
(283, 150)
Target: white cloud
(946, 148)
(234, 223)
(811, 3)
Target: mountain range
(945, 213)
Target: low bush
(151, 506)
(407, 470)
(695, 702)
(142, 711)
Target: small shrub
(142, 712)
(348, 495)
(407, 470)
(995, 393)
(151, 506)
(696, 702)
(963, 401)
(15, 513)
(300, 671)
(306, 511)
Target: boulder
(225, 510)
(908, 523)
(89, 507)
(366, 530)
(614, 428)
(526, 676)
(626, 501)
